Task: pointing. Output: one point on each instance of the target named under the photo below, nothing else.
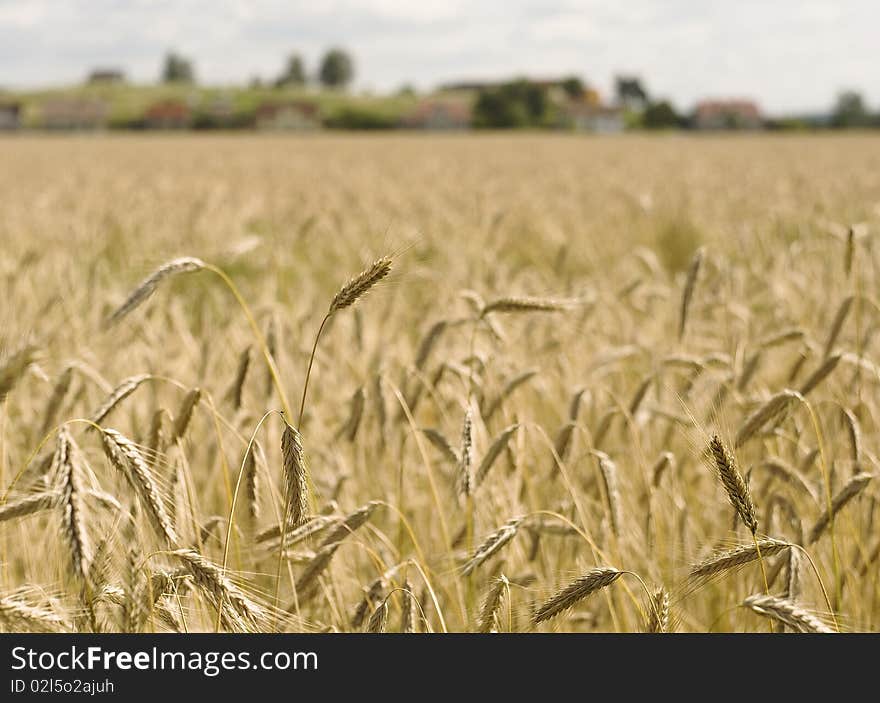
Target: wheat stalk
(21, 616)
(492, 544)
(350, 428)
(499, 444)
(238, 612)
(156, 436)
(295, 476)
(608, 471)
(854, 433)
(726, 560)
(358, 286)
(850, 490)
(353, 522)
(65, 465)
(849, 252)
(663, 463)
(185, 413)
(687, 293)
(770, 411)
(508, 390)
(235, 391)
(820, 374)
(14, 368)
(793, 575)
(272, 348)
(428, 342)
(127, 459)
(185, 264)
(309, 527)
(465, 478)
(319, 563)
(837, 324)
(29, 505)
(117, 395)
(736, 488)
(252, 483)
(488, 620)
(379, 619)
(658, 612)
(582, 587)
(407, 613)
(562, 444)
(372, 594)
(59, 391)
(436, 438)
(520, 304)
(786, 612)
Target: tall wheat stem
(302, 404)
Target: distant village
(106, 100)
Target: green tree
(517, 104)
(573, 87)
(337, 69)
(294, 73)
(660, 115)
(177, 69)
(494, 110)
(534, 98)
(630, 93)
(850, 111)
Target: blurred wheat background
(686, 284)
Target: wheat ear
(185, 264)
(576, 591)
(127, 459)
(786, 612)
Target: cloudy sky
(787, 54)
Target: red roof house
(439, 114)
(727, 114)
(168, 114)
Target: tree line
(335, 70)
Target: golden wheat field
(598, 384)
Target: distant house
(74, 113)
(293, 115)
(438, 113)
(727, 114)
(221, 108)
(10, 115)
(103, 76)
(168, 114)
(590, 116)
(468, 86)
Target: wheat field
(597, 385)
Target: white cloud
(787, 54)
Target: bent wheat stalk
(721, 562)
(852, 488)
(786, 612)
(488, 620)
(576, 591)
(124, 455)
(492, 544)
(184, 264)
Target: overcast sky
(789, 55)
